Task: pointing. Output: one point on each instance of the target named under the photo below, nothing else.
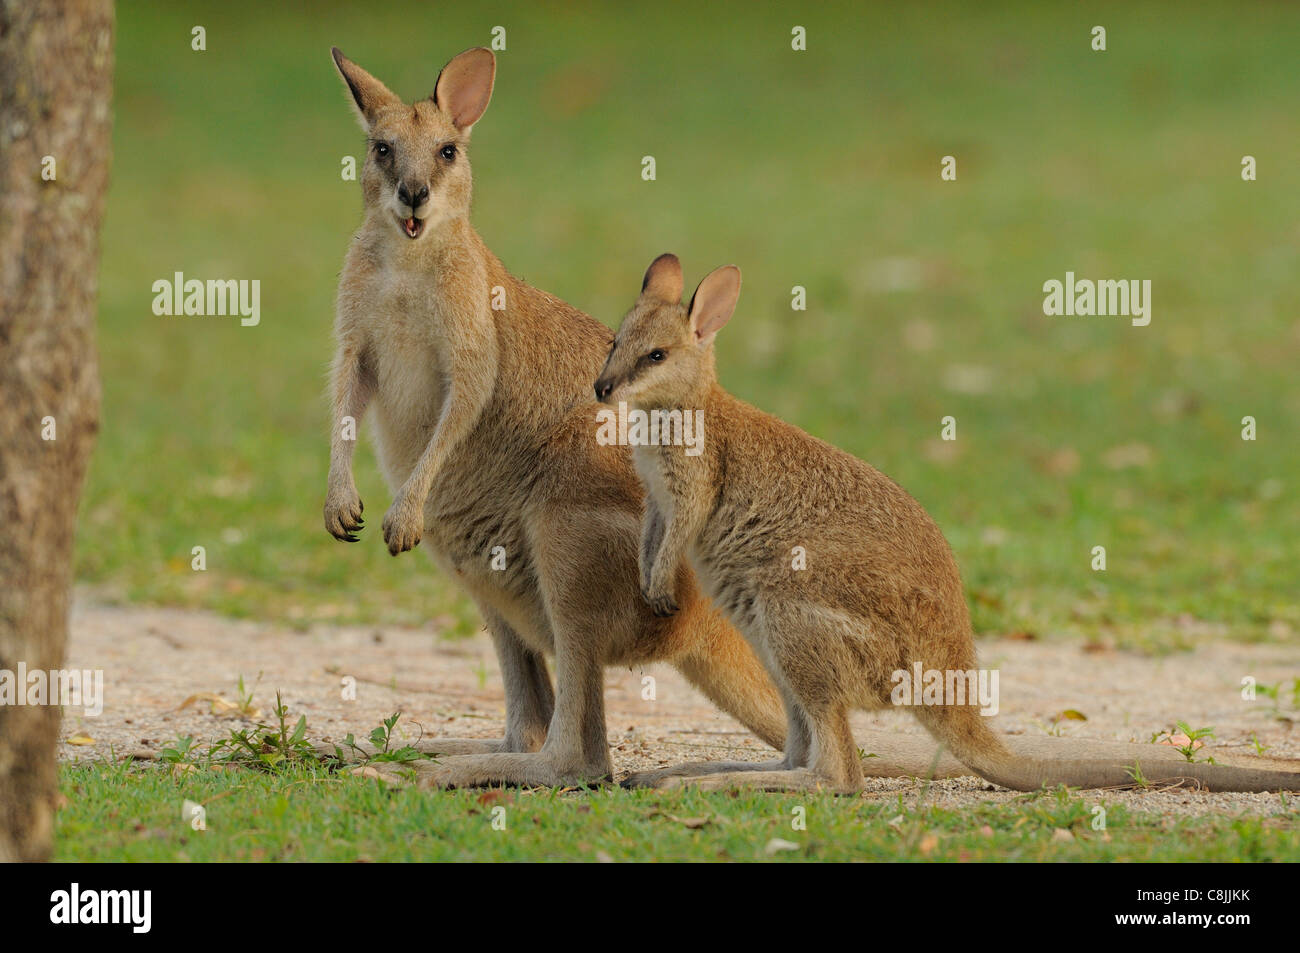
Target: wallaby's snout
(412, 208)
(608, 380)
(412, 196)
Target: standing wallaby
(480, 392)
(838, 578)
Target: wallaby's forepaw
(403, 524)
(660, 605)
(343, 515)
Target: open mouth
(413, 226)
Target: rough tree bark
(56, 62)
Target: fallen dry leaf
(219, 705)
(776, 845)
(80, 739)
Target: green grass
(122, 813)
(815, 169)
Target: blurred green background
(816, 168)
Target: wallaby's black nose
(603, 389)
(412, 197)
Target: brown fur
(880, 592)
(484, 425)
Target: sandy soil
(154, 659)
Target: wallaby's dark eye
(382, 149)
(656, 355)
(448, 152)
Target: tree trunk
(56, 70)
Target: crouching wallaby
(836, 576)
(480, 391)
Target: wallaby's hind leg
(798, 741)
(582, 618)
(576, 750)
(723, 666)
(834, 765)
(530, 699)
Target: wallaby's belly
(408, 398)
(852, 568)
(473, 527)
(727, 578)
(475, 530)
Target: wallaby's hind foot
(517, 770)
(669, 776)
(798, 744)
(795, 779)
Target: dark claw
(662, 607)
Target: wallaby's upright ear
(465, 86)
(368, 93)
(663, 279)
(713, 302)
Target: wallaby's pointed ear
(663, 279)
(465, 86)
(368, 94)
(713, 302)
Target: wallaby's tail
(967, 735)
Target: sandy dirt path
(154, 659)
